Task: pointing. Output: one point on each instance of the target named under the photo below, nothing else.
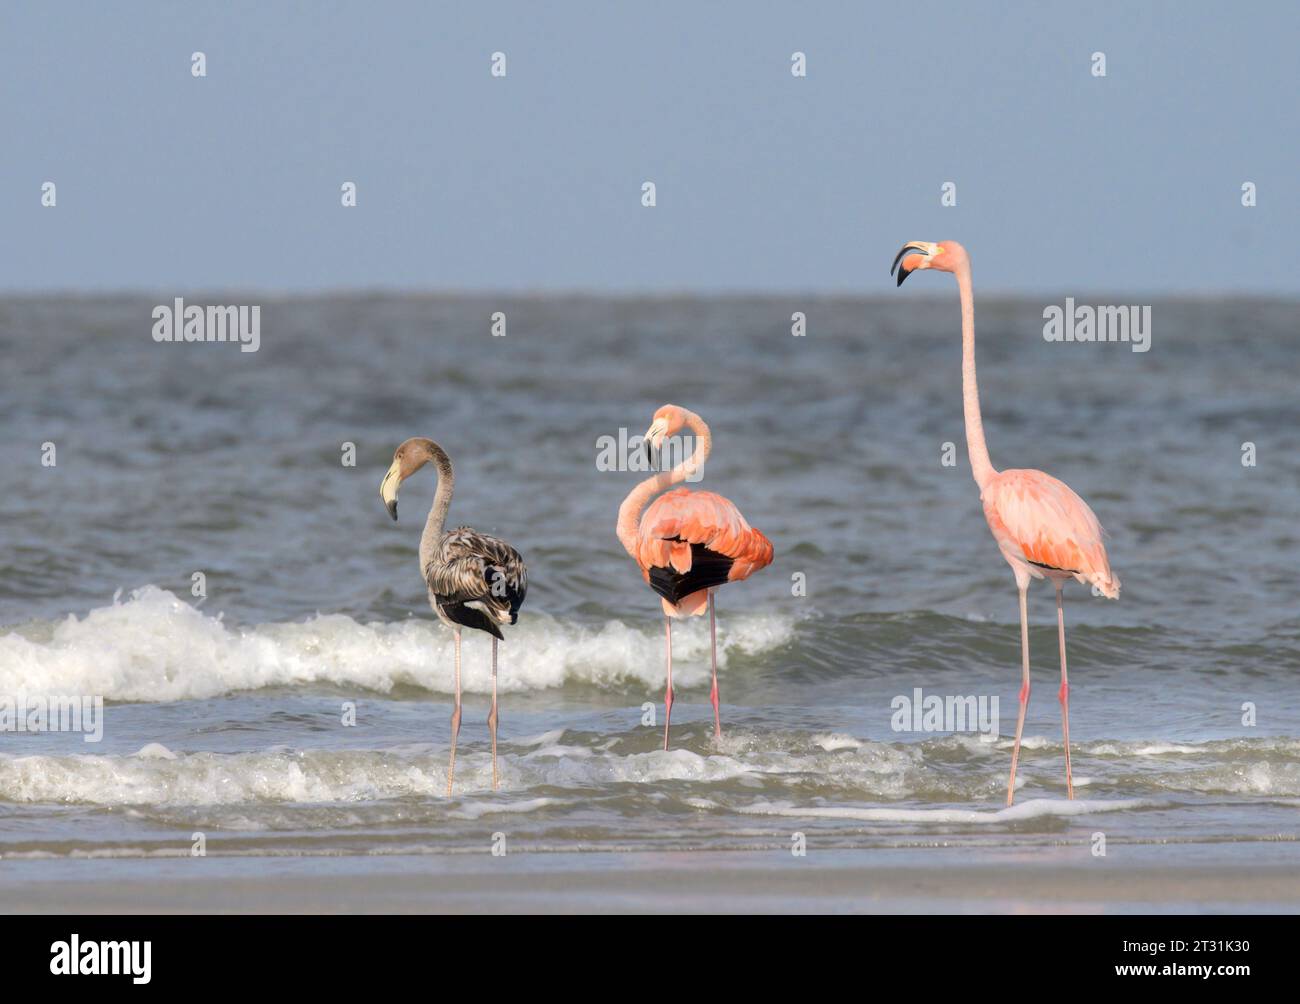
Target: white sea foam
(156, 647)
(155, 751)
(157, 777)
(545, 739)
(784, 774)
(212, 779)
(1105, 748)
(1130, 749)
(831, 742)
(477, 810)
(1261, 777)
(1031, 809)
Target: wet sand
(1259, 879)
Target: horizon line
(616, 293)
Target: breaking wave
(153, 646)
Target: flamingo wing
(477, 580)
(1035, 516)
(692, 541)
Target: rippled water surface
(225, 716)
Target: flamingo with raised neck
(688, 542)
(1042, 528)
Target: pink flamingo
(1042, 528)
(688, 543)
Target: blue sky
(1064, 181)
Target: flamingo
(474, 580)
(1042, 528)
(688, 542)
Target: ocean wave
(155, 776)
(153, 646)
(786, 768)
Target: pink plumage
(687, 543)
(1039, 518)
(683, 517)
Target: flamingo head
(409, 458)
(668, 421)
(944, 256)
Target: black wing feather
(708, 569)
(470, 618)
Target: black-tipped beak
(903, 273)
(392, 509)
(651, 455)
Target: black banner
(336, 953)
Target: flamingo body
(689, 542)
(1042, 527)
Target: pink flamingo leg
(455, 720)
(713, 649)
(1064, 693)
(668, 694)
(492, 715)
(1024, 690)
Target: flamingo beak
(388, 488)
(911, 247)
(653, 440)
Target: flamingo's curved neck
(629, 513)
(970, 392)
(438, 511)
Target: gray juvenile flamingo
(474, 580)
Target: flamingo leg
(492, 715)
(713, 652)
(455, 719)
(1064, 693)
(668, 694)
(1024, 688)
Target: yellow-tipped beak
(388, 488)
